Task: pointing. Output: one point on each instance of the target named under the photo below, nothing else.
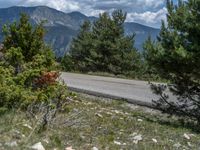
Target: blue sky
(147, 12)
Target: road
(133, 91)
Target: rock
(38, 146)
(11, 144)
(23, 135)
(186, 136)
(139, 120)
(28, 126)
(117, 143)
(98, 115)
(137, 138)
(126, 113)
(117, 112)
(177, 145)
(69, 148)
(94, 148)
(154, 140)
(108, 113)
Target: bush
(28, 71)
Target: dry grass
(106, 124)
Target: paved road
(131, 90)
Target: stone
(38, 146)
(137, 138)
(28, 126)
(117, 143)
(95, 148)
(154, 140)
(139, 120)
(186, 136)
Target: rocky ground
(91, 123)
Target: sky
(147, 12)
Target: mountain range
(62, 27)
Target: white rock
(11, 144)
(186, 136)
(95, 148)
(38, 146)
(177, 145)
(154, 140)
(23, 135)
(69, 148)
(108, 113)
(117, 112)
(137, 138)
(99, 115)
(117, 143)
(140, 120)
(28, 126)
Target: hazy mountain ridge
(62, 27)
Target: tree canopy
(102, 46)
(176, 58)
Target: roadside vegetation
(103, 47)
(36, 107)
(173, 57)
(28, 72)
(89, 122)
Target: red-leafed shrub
(47, 78)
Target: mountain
(62, 27)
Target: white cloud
(63, 5)
(148, 12)
(148, 17)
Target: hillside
(62, 27)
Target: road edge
(98, 94)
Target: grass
(93, 122)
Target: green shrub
(28, 72)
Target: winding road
(133, 91)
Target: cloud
(148, 17)
(63, 5)
(141, 11)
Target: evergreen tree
(80, 49)
(103, 46)
(176, 58)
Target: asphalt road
(133, 91)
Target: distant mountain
(62, 27)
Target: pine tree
(81, 47)
(104, 47)
(176, 58)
